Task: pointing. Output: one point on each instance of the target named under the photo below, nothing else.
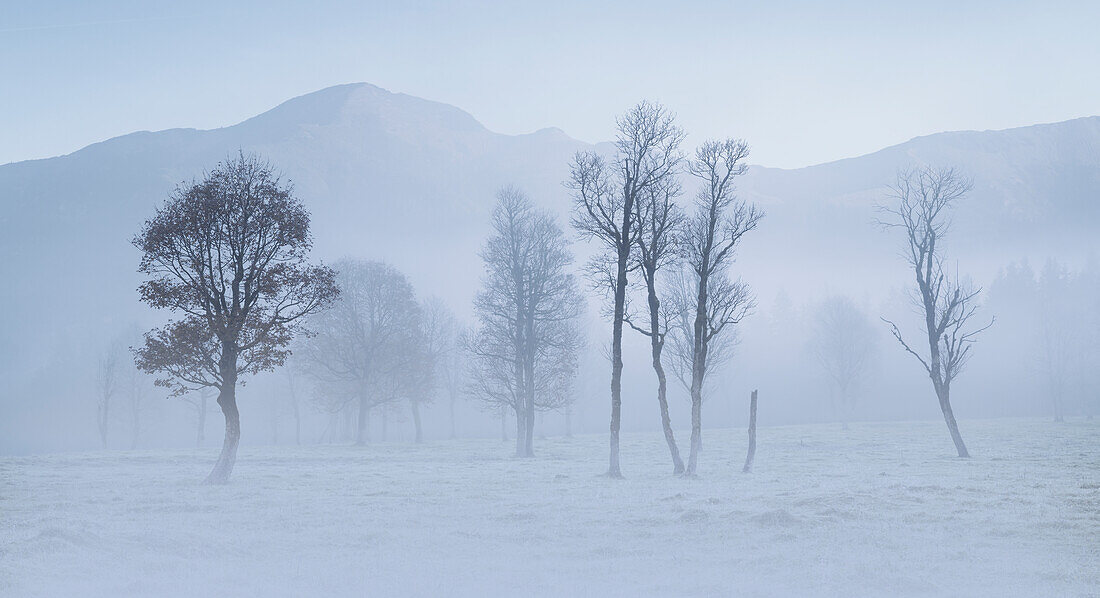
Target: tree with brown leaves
(228, 254)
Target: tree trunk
(944, 393)
(529, 429)
(521, 431)
(613, 470)
(752, 435)
(227, 400)
(503, 424)
(385, 421)
(698, 368)
(415, 407)
(656, 344)
(102, 413)
(568, 421)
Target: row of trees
(628, 203)
(229, 256)
(1057, 312)
(376, 345)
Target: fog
(364, 342)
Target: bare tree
(524, 348)
(135, 394)
(659, 223)
(843, 341)
(107, 381)
(438, 337)
(229, 254)
(367, 348)
(681, 293)
(720, 222)
(922, 200)
(607, 193)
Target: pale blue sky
(803, 82)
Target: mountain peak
(363, 102)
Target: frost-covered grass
(882, 510)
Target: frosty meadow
(362, 344)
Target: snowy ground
(881, 510)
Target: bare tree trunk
(227, 400)
(613, 469)
(698, 369)
(529, 428)
(944, 393)
(415, 407)
(503, 424)
(656, 343)
(385, 421)
(101, 420)
(569, 421)
(752, 435)
(521, 431)
(529, 380)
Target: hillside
(410, 181)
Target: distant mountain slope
(1028, 182)
(394, 177)
(385, 175)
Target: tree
(438, 335)
(843, 341)
(682, 289)
(720, 222)
(367, 347)
(1059, 339)
(922, 199)
(606, 195)
(659, 222)
(136, 388)
(524, 350)
(445, 348)
(229, 255)
(107, 380)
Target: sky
(802, 82)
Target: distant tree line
(228, 256)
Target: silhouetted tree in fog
(713, 234)
(843, 341)
(524, 351)
(107, 383)
(659, 230)
(607, 193)
(228, 255)
(443, 337)
(923, 198)
(367, 348)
